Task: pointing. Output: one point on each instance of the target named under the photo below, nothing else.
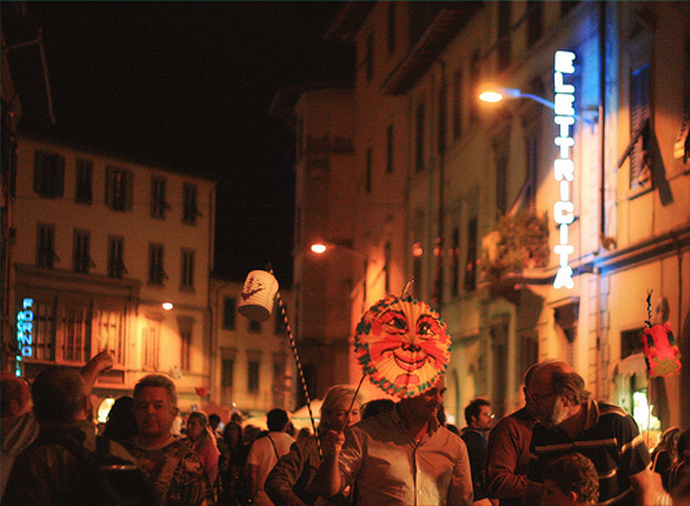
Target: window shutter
(129, 189)
(109, 187)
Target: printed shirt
(390, 468)
(610, 439)
(176, 473)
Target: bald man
(19, 426)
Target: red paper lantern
(661, 353)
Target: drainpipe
(602, 340)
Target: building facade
(537, 226)
(109, 254)
(253, 369)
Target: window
(501, 183)
(44, 329)
(119, 185)
(227, 373)
(505, 13)
(254, 326)
(45, 246)
(369, 63)
(159, 204)
(81, 259)
(474, 83)
(391, 27)
(190, 211)
(455, 262)
(277, 320)
(471, 263)
(229, 305)
(84, 189)
(110, 324)
(369, 169)
(253, 377)
(640, 169)
(75, 333)
(116, 257)
(390, 160)
(279, 389)
(186, 332)
(156, 271)
(419, 151)
(150, 339)
(535, 10)
(187, 274)
(457, 104)
(49, 174)
(442, 117)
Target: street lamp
(322, 247)
(492, 93)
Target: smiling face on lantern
(402, 344)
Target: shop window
(44, 330)
(45, 246)
(119, 187)
(49, 174)
(84, 188)
(81, 259)
(110, 325)
(190, 210)
(116, 257)
(229, 306)
(156, 270)
(159, 203)
(75, 333)
(187, 270)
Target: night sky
(188, 85)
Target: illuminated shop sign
(563, 166)
(25, 334)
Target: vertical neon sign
(563, 166)
(25, 334)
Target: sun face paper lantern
(661, 353)
(403, 345)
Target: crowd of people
(561, 448)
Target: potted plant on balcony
(515, 243)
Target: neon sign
(25, 334)
(563, 166)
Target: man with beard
(401, 457)
(570, 421)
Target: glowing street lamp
(493, 93)
(167, 306)
(320, 248)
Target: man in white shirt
(265, 452)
